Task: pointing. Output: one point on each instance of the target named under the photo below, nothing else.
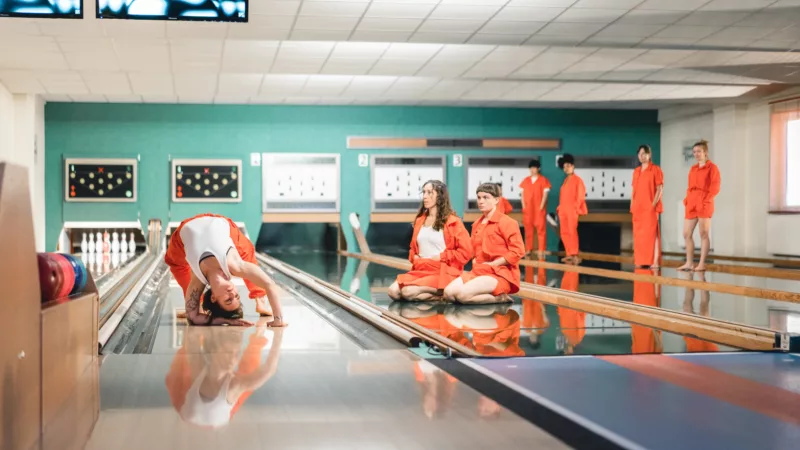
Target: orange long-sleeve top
(572, 196)
(175, 256)
(499, 237)
(458, 244)
(645, 185)
(704, 185)
(532, 194)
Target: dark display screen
(101, 182)
(208, 10)
(212, 183)
(61, 9)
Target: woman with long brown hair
(440, 247)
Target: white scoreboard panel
(509, 171)
(300, 182)
(397, 180)
(607, 184)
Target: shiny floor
(305, 386)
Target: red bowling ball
(51, 277)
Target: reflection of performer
(648, 184)
(645, 339)
(572, 323)
(694, 344)
(704, 185)
(534, 317)
(204, 383)
(495, 328)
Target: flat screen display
(100, 180)
(207, 10)
(206, 180)
(56, 9)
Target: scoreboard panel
(207, 180)
(100, 180)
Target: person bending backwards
(199, 255)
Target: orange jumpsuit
(438, 274)
(572, 323)
(492, 239)
(704, 183)
(179, 379)
(571, 204)
(646, 233)
(505, 205)
(645, 339)
(176, 256)
(533, 217)
(505, 337)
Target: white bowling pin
(106, 242)
(123, 245)
(84, 244)
(115, 242)
(132, 244)
(91, 243)
(99, 243)
(114, 260)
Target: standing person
(497, 243)
(571, 205)
(534, 207)
(440, 248)
(704, 184)
(505, 205)
(200, 255)
(648, 186)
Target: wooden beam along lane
(785, 262)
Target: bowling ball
(51, 277)
(68, 274)
(80, 274)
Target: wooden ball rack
(50, 384)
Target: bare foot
(277, 323)
(700, 268)
(576, 260)
(540, 254)
(504, 298)
(262, 308)
(686, 267)
(566, 259)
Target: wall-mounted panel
(397, 180)
(206, 10)
(206, 180)
(100, 180)
(43, 9)
(300, 182)
(508, 171)
(608, 181)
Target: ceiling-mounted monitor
(52, 9)
(205, 10)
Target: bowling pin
(115, 243)
(123, 245)
(91, 243)
(114, 260)
(99, 244)
(132, 244)
(106, 242)
(84, 244)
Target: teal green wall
(155, 132)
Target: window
(785, 157)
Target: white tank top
(430, 242)
(214, 412)
(207, 236)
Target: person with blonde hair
(704, 185)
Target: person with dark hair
(209, 250)
(440, 247)
(497, 243)
(534, 207)
(571, 205)
(504, 204)
(648, 185)
(704, 185)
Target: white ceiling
(588, 53)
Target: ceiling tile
(124, 98)
(159, 98)
(21, 82)
(687, 31)
(713, 18)
(652, 17)
(728, 5)
(151, 84)
(629, 30)
(511, 13)
(248, 56)
(239, 84)
(445, 69)
(302, 50)
(570, 29)
(204, 30)
(282, 84)
(412, 51)
(609, 4)
(451, 89)
(603, 16)
(495, 26)
(326, 85)
(397, 66)
(135, 29)
(70, 28)
(18, 26)
(195, 84)
(320, 35)
(464, 12)
(368, 85)
(450, 26)
(231, 99)
(112, 83)
(469, 53)
(612, 41)
(498, 39)
(274, 8)
(371, 50)
(332, 9)
(490, 90)
(384, 25)
(88, 98)
(672, 5)
(399, 10)
(380, 36)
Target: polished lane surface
(304, 386)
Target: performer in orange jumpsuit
(440, 247)
(648, 185)
(645, 339)
(204, 383)
(571, 205)
(199, 255)
(497, 243)
(534, 207)
(704, 184)
(694, 345)
(505, 205)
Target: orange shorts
(426, 272)
(484, 270)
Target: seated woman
(498, 246)
(440, 247)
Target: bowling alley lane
(303, 386)
(524, 328)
